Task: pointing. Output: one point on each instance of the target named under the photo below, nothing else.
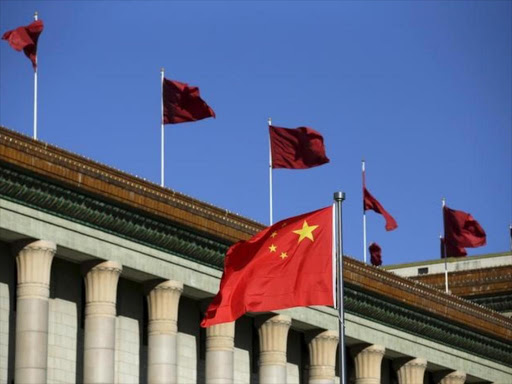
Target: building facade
(104, 278)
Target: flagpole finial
(443, 201)
(35, 15)
(162, 69)
(339, 196)
(269, 121)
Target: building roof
(48, 178)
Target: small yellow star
(306, 231)
(284, 255)
(274, 234)
(272, 248)
(283, 225)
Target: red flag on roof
(376, 254)
(25, 38)
(288, 264)
(296, 148)
(182, 103)
(371, 203)
(461, 230)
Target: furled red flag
(296, 148)
(25, 38)
(182, 103)
(376, 254)
(371, 202)
(460, 231)
(288, 264)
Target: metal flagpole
(270, 170)
(338, 199)
(510, 233)
(162, 126)
(443, 200)
(364, 214)
(35, 91)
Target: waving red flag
(296, 148)
(25, 38)
(461, 230)
(288, 264)
(371, 203)
(182, 103)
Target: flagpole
(270, 170)
(162, 126)
(338, 198)
(364, 214)
(510, 234)
(35, 91)
(443, 203)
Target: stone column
(410, 371)
(273, 337)
(34, 261)
(322, 357)
(367, 362)
(100, 321)
(163, 303)
(220, 352)
(450, 377)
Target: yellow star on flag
(272, 248)
(284, 255)
(306, 231)
(274, 234)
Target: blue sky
(421, 90)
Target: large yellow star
(306, 231)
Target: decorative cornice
(84, 174)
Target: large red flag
(376, 254)
(25, 38)
(182, 103)
(296, 148)
(371, 203)
(461, 230)
(288, 264)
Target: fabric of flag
(288, 264)
(25, 38)
(183, 103)
(461, 230)
(375, 254)
(451, 250)
(371, 203)
(296, 148)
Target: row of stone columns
(101, 279)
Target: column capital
(450, 377)
(34, 261)
(273, 335)
(322, 356)
(220, 337)
(367, 362)
(101, 280)
(163, 300)
(410, 370)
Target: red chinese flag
(376, 254)
(288, 264)
(460, 231)
(25, 38)
(296, 148)
(371, 203)
(182, 103)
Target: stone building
(104, 278)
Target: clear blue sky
(421, 90)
